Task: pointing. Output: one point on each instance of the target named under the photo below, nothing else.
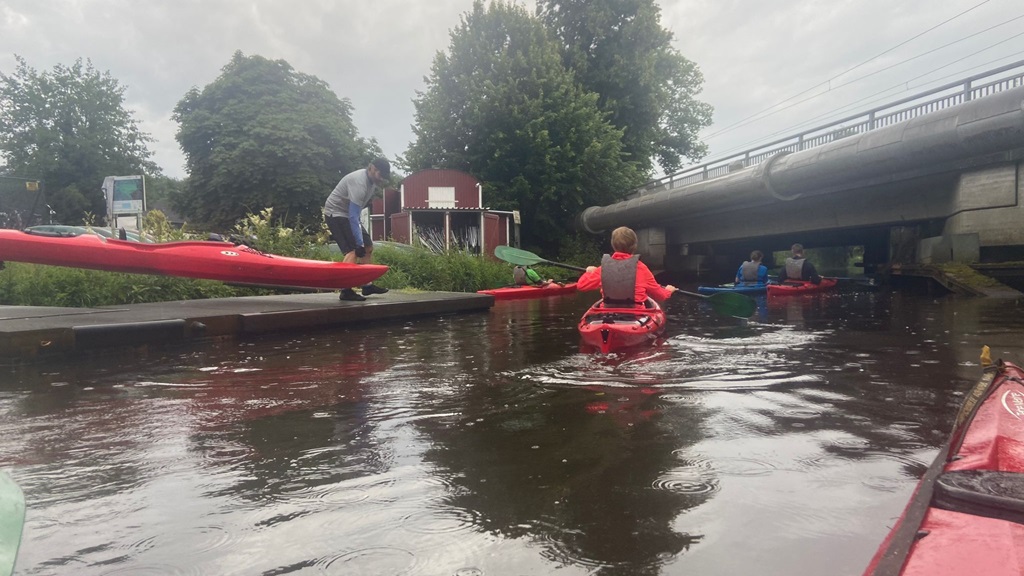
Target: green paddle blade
(12, 518)
(732, 304)
(517, 256)
(524, 258)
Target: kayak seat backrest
(989, 493)
(607, 303)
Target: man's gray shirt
(355, 188)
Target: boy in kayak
(342, 210)
(798, 267)
(752, 271)
(622, 278)
(526, 276)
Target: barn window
(441, 196)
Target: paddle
(12, 519)
(724, 303)
(524, 258)
(727, 303)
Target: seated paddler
(622, 278)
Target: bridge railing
(970, 88)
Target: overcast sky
(754, 54)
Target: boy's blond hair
(756, 256)
(624, 240)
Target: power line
(798, 102)
(828, 82)
(872, 98)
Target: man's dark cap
(383, 166)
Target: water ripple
(373, 561)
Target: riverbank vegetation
(410, 268)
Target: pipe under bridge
(942, 185)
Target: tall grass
(409, 268)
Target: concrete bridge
(925, 182)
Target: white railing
(919, 104)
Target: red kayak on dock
(611, 329)
(800, 287)
(967, 514)
(525, 292)
(223, 261)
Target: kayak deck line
(35, 333)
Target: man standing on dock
(342, 210)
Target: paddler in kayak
(622, 278)
(341, 212)
(752, 271)
(526, 276)
(798, 267)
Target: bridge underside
(944, 186)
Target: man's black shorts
(342, 234)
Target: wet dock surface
(30, 333)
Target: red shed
(441, 209)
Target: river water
(489, 444)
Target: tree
(264, 135)
(69, 128)
(619, 49)
(502, 107)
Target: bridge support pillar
(651, 245)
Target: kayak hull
(967, 513)
(611, 329)
(221, 261)
(744, 288)
(527, 292)
(801, 287)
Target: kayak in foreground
(800, 287)
(611, 329)
(12, 521)
(742, 288)
(223, 261)
(524, 292)
(967, 513)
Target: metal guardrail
(948, 95)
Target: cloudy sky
(770, 67)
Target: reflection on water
(487, 444)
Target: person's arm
(811, 273)
(739, 274)
(645, 278)
(762, 274)
(353, 222)
(589, 280)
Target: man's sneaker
(370, 289)
(350, 294)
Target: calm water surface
(489, 444)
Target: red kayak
(222, 261)
(967, 513)
(524, 292)
(611, 329)
(800, 287)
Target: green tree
(69, 128)
(264, 135)
(619, 49)
(501, 106)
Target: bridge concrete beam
(904, 173)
